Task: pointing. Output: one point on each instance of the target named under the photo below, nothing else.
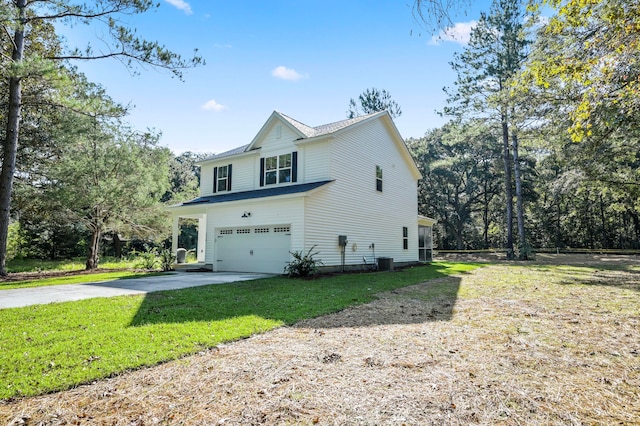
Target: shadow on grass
(290, 300)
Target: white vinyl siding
(313, 160)
(353, 207)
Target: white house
(295, 187)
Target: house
(347, 188)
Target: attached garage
(253, 249)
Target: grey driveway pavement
(15, 298)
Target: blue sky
(305, 58)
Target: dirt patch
(516, 345)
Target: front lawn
(45, 348)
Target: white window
(378, 178)
(223, 175)
(277, 169)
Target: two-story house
(295, 186)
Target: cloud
(459, 33)
(222, 46)
(285, 73)
(182, 5)
(212, 105)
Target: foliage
(496, 52)
(303, 264)
(184, 177)
(461, 170)
(373, 100)
(147, 259)
(33, 52)
(58, 346)
(166, 260)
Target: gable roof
(306, 132)
(325, 129)
(303, 130)
(256, 193)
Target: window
(278, 169)
(425, 243)
(379, 178)
(405, 238)
(222, 178)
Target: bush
(166, 260)
(303, 265)
(146, 259)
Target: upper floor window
(405, 238)
(379, 178)
(222, 178)
(278, 169)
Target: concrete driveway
(15, 298)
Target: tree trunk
(117, 245)
(93, 250)
(507, 179)
(523, 255)
(11, 139)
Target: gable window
(278, 169)
(405, 238)
(222, 178)
(379, 178)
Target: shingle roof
(257, 193)
(324, 129)
(307, 131)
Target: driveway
(15, 298)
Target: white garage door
(253, 249)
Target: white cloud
(222, 46)
(285, 73)
(459, 33)
(182, 5)
(212, 105)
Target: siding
(353, 207)
(313, 159)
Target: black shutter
(294, 166)
(262, 172)
(229, 177)
(215, 180)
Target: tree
(436, 14)
(460, 168)
(184, 177)
(373, 100)
(109, 178)
(585, 71)
(485, 69)
(19, 18)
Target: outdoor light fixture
(246, 214)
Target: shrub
(166, 260)
(146, 259)
(303, 265)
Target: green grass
(45, 348)
(75, 279)
(35, 265)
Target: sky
(304, 58)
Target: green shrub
(166, 260)
(146, 259)
(303, 265)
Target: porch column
(174, 235)
(202, 238)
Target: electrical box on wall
(342, 240)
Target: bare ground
(517, 345)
